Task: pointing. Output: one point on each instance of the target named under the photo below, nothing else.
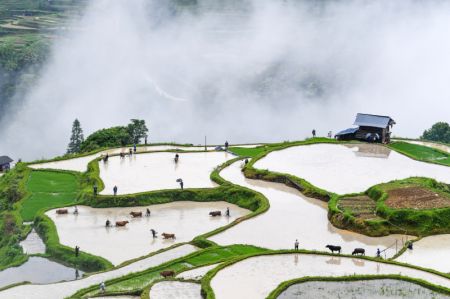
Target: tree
(76, 139)
(440, 132)
(137, 130)
(110, 137)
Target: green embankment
(421, 152)
(412, 221)
(138, 282)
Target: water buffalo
(167, 273)
(334, 248)
(168, 236)
(62, 211)
(360, 251)
(215, 213)
(122, 223)
(136, 214)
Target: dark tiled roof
(5, 160)
(370, 120)
(347, 131)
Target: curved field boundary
(208, 292)
(285, 285)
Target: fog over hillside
(245, 71)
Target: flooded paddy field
(118, 244)
(196, 273)
(38, 270)
(65, 289)
(294, 216)
(369, 289)
(80, 164)
(430, 252)
(348, 168)
(33, 244)
(251, 278)
(157, 171)
(175, 290)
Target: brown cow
(167, 273)
(215, 213)
(136, 214)
(168, 236)
(122, 223)
(62, 211)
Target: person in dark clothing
(147, 213)
(227, 213)
(131, 151)
(314, 133)
(246, 161)
(115, 190)
(378, 252)
(177, 157)
(108, 223)
(181, 184)
(77, 251)
(410, 245)
(95, 189)
(226, 145)
(296, 245)
(153, 233)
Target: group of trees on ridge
(439, 132)
(133, 133)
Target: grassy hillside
(422, 153)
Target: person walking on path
(181, 184)
(226, 145)
(115, 190)
(314, 133)
(134, 148)
(102, 287)
(153, 233)
(296, 244)
(148, 213)
(227, 213)
(378, 252)
(77, 251)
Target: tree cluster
(133, 133)
(440, 132)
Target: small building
(5, 163)
(371, 128)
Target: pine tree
(76, 139)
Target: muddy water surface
(368, 289)
(196, 273)
(256, 277)
(349, 168)
(38, 270)
(33, 244)
(293, 216)
(65, 289)
(157, 171)
(430, 252)
(118, 244)
(175, 290)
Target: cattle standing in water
(215, 213)
(168, 236)
(136, 214)
(122, 223)
(167, 273)
(360, 251)
(62, 211)
(334, 248)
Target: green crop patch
(422, 153)
(52, 182)
(43, 201)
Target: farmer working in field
(115, 190)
